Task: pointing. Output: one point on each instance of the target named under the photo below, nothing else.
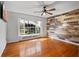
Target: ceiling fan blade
(51, 9)
(38, 11)
(50, 5)
(41, 3)
(42, 13)
(49, 13)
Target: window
(29, 27)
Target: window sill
(29, 35)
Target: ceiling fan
(45, 10)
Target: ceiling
(29, 7)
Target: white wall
(2, 36)
(13, 25)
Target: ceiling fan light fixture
(44, 13)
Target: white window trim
(27, 34)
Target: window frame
(24, 31)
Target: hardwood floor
(43, 47)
